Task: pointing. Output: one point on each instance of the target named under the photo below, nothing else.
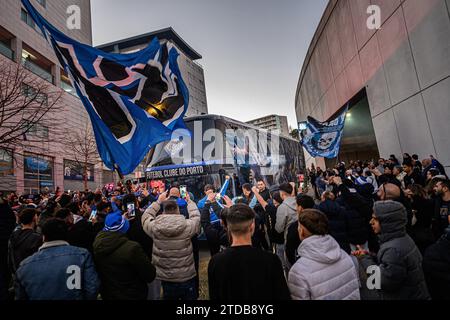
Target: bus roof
(237, 122)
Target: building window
(25, 16)
(74, 170)
(6, 163)
(38, 172)
(38, 131)
(5, 49)
(31, 93)
(42, 3)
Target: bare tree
(28, 106)
(82, 149)
(29, 109)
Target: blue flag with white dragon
(323, 139)
(134, 101)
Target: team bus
(215, 147)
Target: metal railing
(37, 70)
(68, 88)
(6, 51)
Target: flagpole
(116, 168)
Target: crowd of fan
(276, 244)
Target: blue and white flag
(323, 139)
(134, 101)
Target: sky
(252, 50)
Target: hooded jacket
(123, 266)
(22, 244)
(399, 259)
(172, 246)
(286, 214)
(323, 272)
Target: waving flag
(323, 139)
(134, 100)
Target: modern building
(21, 42)
(192, 71)
(395, 79)
(272, 122)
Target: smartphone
(93, 215)
(183, 191)
(130, 209)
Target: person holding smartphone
(173, 252)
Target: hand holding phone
(183, 191)
(93, 215)
(163, 197)
(131, 210)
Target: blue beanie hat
(115, 222)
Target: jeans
(154, 290)
(279, 250)
(179, 290)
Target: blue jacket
(51, 274)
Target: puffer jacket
(172, 246)
(359, 213)
(323, 272)
(286, 214)
(399, 259)
(337, 223)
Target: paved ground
(203, 273)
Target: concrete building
(192, 72)
(22, 42)
(396, 79)
(272, 122)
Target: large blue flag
(134, 101)
(323, 139)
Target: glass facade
(38, 172)
(6, 162)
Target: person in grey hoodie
(324, 271)
(399, 260)
(286, 215)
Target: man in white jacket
(324, 271)
(172, 247)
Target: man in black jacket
(24, 242)
(7, 225)
(337, 220)
(269, 209)
(262, 189)
(216, 235)
(124, 268)
(441, 217)
(413, 175)
(436, 267)
(242, 272)
(358, 211)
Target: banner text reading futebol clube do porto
(176, 172)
